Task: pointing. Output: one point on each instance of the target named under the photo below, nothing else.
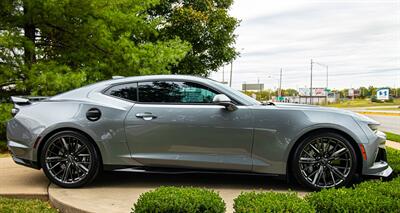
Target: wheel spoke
(332, 176)
(339, 152)
(317, 175)
(324, 178)
(55, 159)
(79, 150)
(65, 144)
(315, 149)
(58, 163)
(64, 177)
(310, 155)
(337, 172)
(308, 160)
(83, 167)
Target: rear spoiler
(22, 100)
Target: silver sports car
(176, 123)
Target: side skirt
(162, 170)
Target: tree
(289, 92)
(50, 46)
(206, 25)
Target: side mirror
(225, 101)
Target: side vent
(93, 114)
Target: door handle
(146, 116)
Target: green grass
(392, 136)
(10, 205)
(363, 103)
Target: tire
(324, 160)
(70, 160)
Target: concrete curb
(64, 207)
(393, 145)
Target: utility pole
(280, 84)
(311, 83)
(326, 76)
(230, 79)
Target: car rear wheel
(69, 159)
(324, 160)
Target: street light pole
(311, 83)
(326, 76)
(230, 79)
(324, 65)
(280, 84)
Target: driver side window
(174, 92)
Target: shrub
(270, 202)
(393, 156)
(388, 188)
(180, 200)
(5, 114)
(371, 196)
(8, 205)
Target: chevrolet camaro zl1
(176, 123)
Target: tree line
(50, 46)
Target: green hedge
(270, 202)
(393, 156)
(5, 115)
(179, 200)
(8, 205)
(370, 196)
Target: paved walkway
(392, 144)
(117, 191)
(120, 190)
(21, 182)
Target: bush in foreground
(370, 196)
(179, 200)
(393, 156)
(270, 202)
(5, 115)
(8, 205)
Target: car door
(175, 124)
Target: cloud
(359, 40)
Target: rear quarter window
(125, 91)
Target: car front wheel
(324, 160)
(69, 159)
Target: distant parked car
(176, 123)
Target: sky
(359, 41)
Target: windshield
(238, 93)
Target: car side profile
(174, 123)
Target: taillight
(14, 111)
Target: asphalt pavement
(388, 123)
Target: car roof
(83, 92)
